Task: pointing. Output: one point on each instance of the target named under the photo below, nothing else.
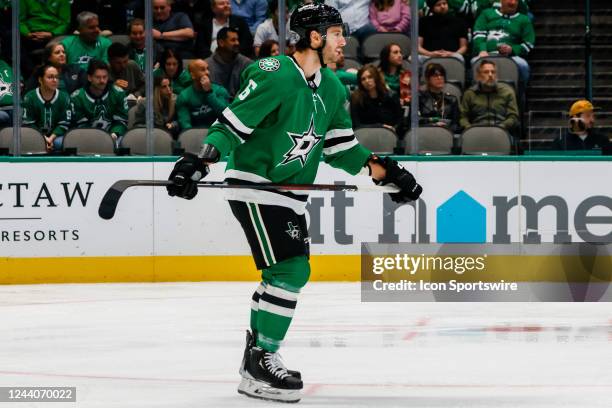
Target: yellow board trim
(161, 269)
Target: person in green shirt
(41, 20)
(200, 104)
(6, 94)
(101, 104)
(48, 109)
(504, 32)
(88, 44)
(171, 64)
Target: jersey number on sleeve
(247, 90)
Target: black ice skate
(265, 377)
(250, 343)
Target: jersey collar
(510, 16)
(317, 76)
(42, 100)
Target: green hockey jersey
(493, 28)
(107, 112)
(80, 53)
(278, 128)
(52, 16)
(200, 109)
(6, 84)
(49, 117)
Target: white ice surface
(178, 345)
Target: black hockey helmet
(317, 17)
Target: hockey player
(48, 109)
(101, 104)
(289, 113)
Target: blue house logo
(461, 219)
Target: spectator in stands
(347, 77)
(355, 13)
(372, 104)
(82, 48)
(389, 16)
(112, 14)
(39, 22)
(269, 48)
(125, 73)
(436, 107)
(581, 134)
(172, 30)
(268, 30)
(202, 103)
(206, 43)
(71, 76)
(442, 34)
(489, 103)
(254, 12)
(396, 77)
(226, 64)
(504, 32)
(164, 107)
(171, 65)
(523, 6)
(136, 47)
(6, 94)
(101, 104)
(48, 109)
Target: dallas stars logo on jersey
(303, 144)
(6, 88)
(101, 117)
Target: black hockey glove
(188, 170)
(409, 189)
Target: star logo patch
(303, 144)
(293, 231)
(269, 64)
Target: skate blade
(260, 390)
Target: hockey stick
(111, 198)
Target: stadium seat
(136, 141)
(89, 141)
(191, 139)
(431, 140)
(351, 63)
(507, 70)
(132, 116)
(453, 90)
(455, 69)
(486, 140)
(32, 141)
(377, 139)
(120, 38)
(373, 44)
(351, 49)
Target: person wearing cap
(581, 133)
(442, 34)
(436, 107)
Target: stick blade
(109, 202)
(111, 198)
